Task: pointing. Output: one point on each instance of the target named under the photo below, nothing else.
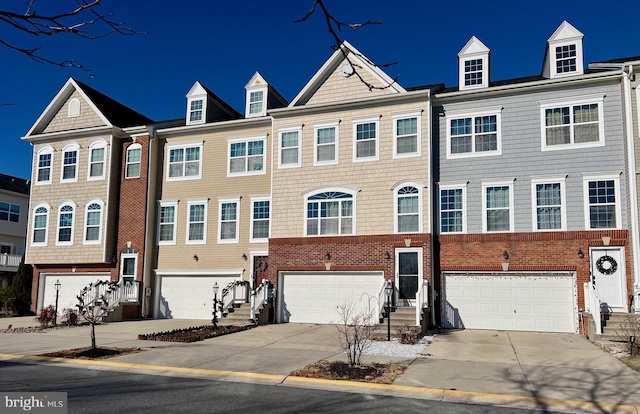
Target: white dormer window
(256, 98)
(197, 104)
(473, 65)
(256, 103)
(564, 52)
(195, 111)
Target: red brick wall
(348, 253)
(541, 251)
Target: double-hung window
(497, 209)
(185, 162)
(572, 124)
(229, 217)
(260, 218)
(326, 143)
(96, 160)
(167, 222)
(256, 102)
(246, 157)
(93, 223)
(9, 212)
(45, 161)
(566, 56)
(134, 157)
(453, 208)
(408, 209)
(40, 225)
(473, 72)
(196, 111)
(366, 138)
(549, 203)
(197, 222)
(406, 132)
(65, 224)
(474, 135)
(602, 201)
(69, 162)
(330, 213)
(290, 144)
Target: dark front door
(260, 265)
(408, 275)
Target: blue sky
(221, 43)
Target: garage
(188, 296)
(515, 302)
(313, 297)
(70, 286)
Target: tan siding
(213, 185)
(373, 179)
(337, 87)
(61, 121)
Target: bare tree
(80, 18)
(94, 304)
(355, 329)
(335, 29)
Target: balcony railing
(9, 262)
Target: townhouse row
(506, 204)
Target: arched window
(74, 108)
(93, 223)
(329, 213)
(134, 155)
(65, 224)
(97, 154)
(408, 207)
(44, 162)
(40, 224)
(69, 162)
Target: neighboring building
(533, 192)
(14, 210)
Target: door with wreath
(608, 276)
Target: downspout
(432, 300)
(146, 277)
(633, 189)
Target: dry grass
(338, 370)
(632, 362)
(89, 353)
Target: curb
(436, 394)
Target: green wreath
(613, 265)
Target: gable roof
(332, 63)
(112, 112)
(199, 89)
(14, 184)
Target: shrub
(46, 317)
(69, 317)
(407, 335)
(355, 329)
(630, 327)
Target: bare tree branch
(334, 26)
(81, 19)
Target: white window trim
(202, 98)
(253, 201)
(247, 111)
(190, 203)
(127, 163)
(503, 183)
(486, 112)
(366, 120)
(558, 103)
(454, 186)
(407, 115)
(73, 222)
(97, 145)
(133, 256)
(68, 148)
(74, 108)
(485, 71)
(319, 190)
(396, 188)
(298, 129)
(175, 221)
(10, 245)
(46, 227)
(47, 149)
(221, 201)
(418, 250)
(586, 178)
(86, 221)
(579, 59)
(262, 138)
(184, 146)
(561, 179)
(323, 125)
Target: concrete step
(239, 315)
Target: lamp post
(388, 289)
(55, 315)
(216, 288)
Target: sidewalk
(515, 369)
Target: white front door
(608, 275)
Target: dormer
(473, 65)
(204, 106)
(564, 53)
(260, 97)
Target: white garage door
(314, 297)
(188, 297)
(70, 285)
(530, 302)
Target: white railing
(592, 305)
(10, 260)
(126, 291)
(382, 299)
(259, 298)
(422, 300)
(235, 292)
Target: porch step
(239, 315)
(403, 317)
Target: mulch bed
(90, 353)
(193, 334)
(339, 370)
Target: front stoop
(612, 329)
(239, 315)
(402, 318)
